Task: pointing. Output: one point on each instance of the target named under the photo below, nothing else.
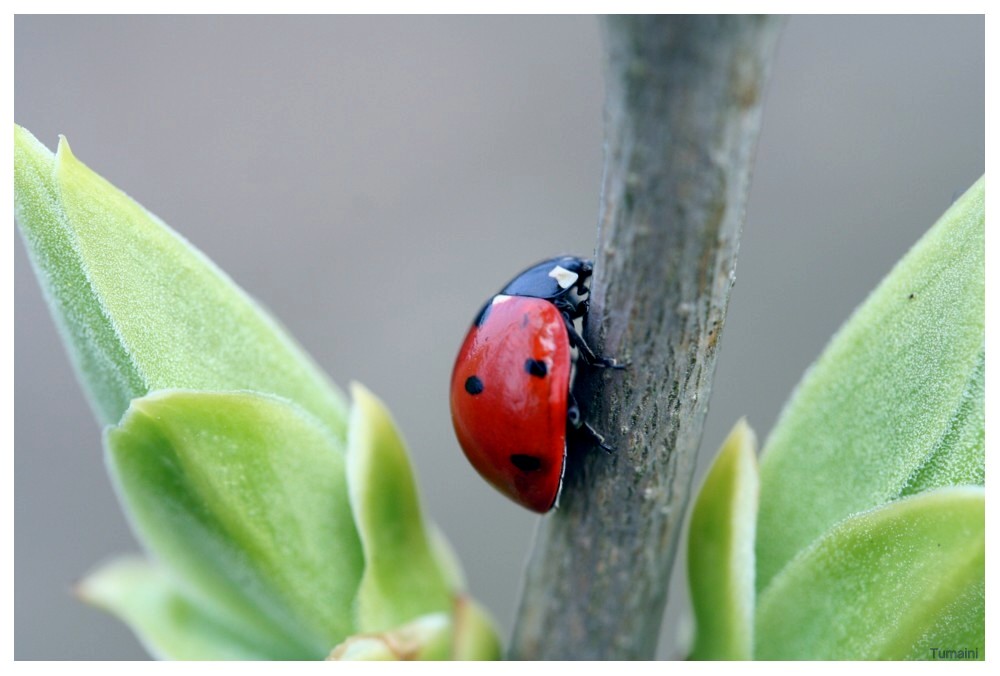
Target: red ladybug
(511, 403)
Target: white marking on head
(500, 298)
(564, 278)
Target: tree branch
(682, 116)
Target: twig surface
(682, 115)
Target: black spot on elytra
(526, 463)
(536, 367)
(473, 385)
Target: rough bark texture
(682, 116)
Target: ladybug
(511, 402)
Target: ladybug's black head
(563, 280)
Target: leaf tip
(30, 155)
(100, 586)
(64, 154)
(363, 397)
(24, 138)
(720, 550)
(357, 390)
(368, 413)
(741, 441)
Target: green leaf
(447, 560)
(403, 578)
(98, 355)
(244, 497)
(888, 584)
(425, 638)
(893, 405)
(468, 633)
(168, 624)
(720, 551)
(960, 455)
(229, 455)
(475, 636)
(139, 308)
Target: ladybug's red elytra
(511, 403)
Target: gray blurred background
(372, 180)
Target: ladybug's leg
(597, 438)
(582, 428)
(588, 356)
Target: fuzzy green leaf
(139, 308)
(403, 578)
(959, 457)
(98, 355)
(894, 403)
(170, 625)
(889, 584)
(720, 551)
(244, 497)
